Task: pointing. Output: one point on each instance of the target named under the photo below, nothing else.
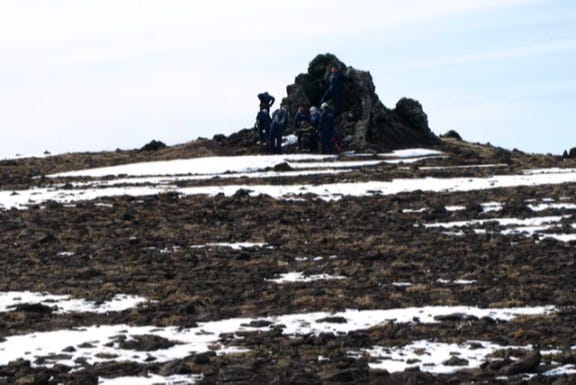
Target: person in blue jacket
(334, 90)
(263, 121)
(279, 119)
(326, 127)
(266, 100)
(315, 123)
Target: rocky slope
(97, 249)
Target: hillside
(212, 263)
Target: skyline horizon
(99, 76)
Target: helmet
(324, 106)
(313, 110)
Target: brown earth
(117, 249)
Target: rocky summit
(408, 258)
(363, 121)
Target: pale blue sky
(104, 74)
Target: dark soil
(117, 249)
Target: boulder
(452, 134)
(526, 364)
(153, 145)
(364, 121)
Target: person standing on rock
(266, 101)
(263, 121)
(326, 128)
(279, 119)
(334, 91)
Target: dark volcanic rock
(409, 378)
(452, 134)
(517, 208)
(235, 373)
(154, 145)
(146, 343)
(528, 363)
(33, 308)
(364, 121)
(83, 379)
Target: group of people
(312, 125)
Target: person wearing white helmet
(314, 121)
(326, 128)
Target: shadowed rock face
(364, 121)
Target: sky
(98, 75)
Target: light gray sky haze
(97, 75)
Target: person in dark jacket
(266, 101)
(263, 121)
(314, 122)
(279, 119)
(326, 127)
(301, 123)
(334, 90)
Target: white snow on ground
(552, 170)
(535, 221)
(497, 206)
(566, 369)
(211, 165)
(248, 163)
(162, 172)
(547, 206)
(65, 304)
(172, 180)
(152, 379)
(526, 226)
(23, 198)
(432, 356)
(232, 245)
(300, 277)
(457, 282)
(461, 167)
(101, 343)
(412, 153)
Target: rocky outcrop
(364, 121)
(570, 154)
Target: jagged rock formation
(364, 121)
(570, 154)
